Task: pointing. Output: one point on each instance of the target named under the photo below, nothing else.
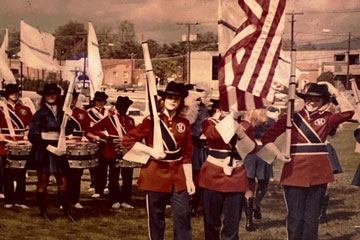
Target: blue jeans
(217, 203)
(303, 204)
(156, 205)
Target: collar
(11, 105)
(166, 112)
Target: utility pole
(132, 55)
(188, 25)
(348, 63)
(292, 86)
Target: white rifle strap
(3, 104)
(118, 126)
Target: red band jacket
(157, 175)
(109, 124)
(21, 117)
(96, 114)
(310, 166)
(80, 122)
(212, 176)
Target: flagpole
(292, 89)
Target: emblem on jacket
(23, 112)
(320, 122)
(81, 116)
(180, 127)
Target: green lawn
(97, 221)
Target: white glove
(239, 130)
(156, 154)
(189, 178)
(55, 150)
(281, 156)
(332, 90)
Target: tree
(126, 31)
(207, 41)
(326, 77)
(70, 40)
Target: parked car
(125, 88)
(136, 114)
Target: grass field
(97, 221)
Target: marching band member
(256, 167)
(96, 113)
(80, 123)
(46, 158)
(20, 118)
(116, 126)
(166, 176)
(223, 177)
(306, 176)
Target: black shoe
(257, 212)
(248, 213)
(41, 198)
(66, 206)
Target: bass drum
(82, 154)
(120, 162)
(17, 154)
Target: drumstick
(8, 141)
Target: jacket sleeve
(275, 131)
(137, 134)
(100, 126)
(337, 118)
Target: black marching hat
(173, 88)
(10, 88)
(100, 96)
(318, 90)
(50, 88)
(122, 101)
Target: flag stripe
(247, 68)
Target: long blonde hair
(255, 117)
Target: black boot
(260, 194)
(249, 214)
(41, 199)
(323, 207)
(66, 206)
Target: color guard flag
(249, 41)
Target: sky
(157, 19)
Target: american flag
(250, 41)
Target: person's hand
(190, 186)
(2, 137)
(55, 150)
(157, 154)
(282, 157)
(239, 131)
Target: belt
(171, 156)
(308, 149)
(17, 131)
(223, 154)
(50, 135)
(224, 162)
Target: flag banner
(5, 72)
(95, 72)
(248, 65)
(37, 48)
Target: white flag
(94, 62)
(5, 72)
(37, 48)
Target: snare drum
(120, 162)
(17, 154)
(82, 155)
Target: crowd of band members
(195, 154)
